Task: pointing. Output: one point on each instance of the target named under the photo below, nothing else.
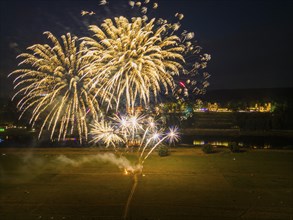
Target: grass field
(185, 185)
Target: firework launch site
(88, 183)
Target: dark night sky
(250, 41)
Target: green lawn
(185, 185)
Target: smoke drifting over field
(28, 166)
(121, 162)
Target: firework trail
(133, 188)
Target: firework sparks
(103, 2)
(144, 10)
(53, 85)
(179, 16)
(83, 13)
(131, 3)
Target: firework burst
(134, 59)
(107, 133)
(53, 85)
(125, 63)
(139, 132)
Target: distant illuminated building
(199, 106)
(198, 142)
(213, 107)
(223, 110)
(200, 110)
(213, 143)
(219, 143)
(267, 107)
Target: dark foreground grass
(185, 185)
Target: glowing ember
(125, 172)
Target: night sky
(250, 41)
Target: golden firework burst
(54, 86)
(134, 59)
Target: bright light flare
(173, 135)
(155, 136)
(126, 172)
(152, 124)
(136, 121)
(123, 122)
